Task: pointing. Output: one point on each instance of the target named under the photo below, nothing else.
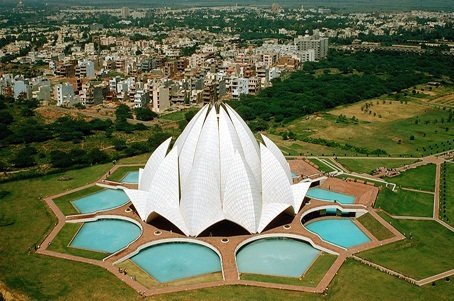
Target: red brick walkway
(227, 250)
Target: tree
(60, 159)
(182, 124)
(95, 156)
(291, 135)
(24, 157)
(145, 114)
(119, 144)
(6, 118)
(122, 113)
(68, 128)
(157, 138)
(137, 148)
(78, 156)
(189, 114)
(258, 125)
(3, 166)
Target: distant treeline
(352, 5)
(342, 78)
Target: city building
(65, 96)
(316, 42)
(160, 97)
(125, 12)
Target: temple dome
(216, 170)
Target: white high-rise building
(125, 12)
(316, 42)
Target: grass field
(428, 252)
(447, 193)
(422, 178)
(64, 237)
(178, 115)
(354, 281)
(437, 96)
(311, 278)
(140, 159)
(375, 182)
(64, 202)
(121, 172)
(410, 128)
(43, 277)
(374, 227)
(48, 278)
(369, 165)
(321, 166)
(404, 202)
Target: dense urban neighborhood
(226, 150)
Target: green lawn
(354, 281)
(429, 251)
(121, 172)
(374, 227)
(321, 166)
(44, 277)
(47, 278)
(403, 202)
(408, 130)
(178, 115)
(375, 182)
(369, 165)
(447, 193)
(311, 278)
(422, 178)
(139, 159)
(64, 202)
(64, 237)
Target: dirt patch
(430, 93)
(8, 295)
(446, 99)
(380, 110)
(50, 114)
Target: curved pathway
(227, 250)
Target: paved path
(435, 278)
(230, 272)
(444, 224)
(417, 190)
(339, 166)
(420, 282)
(227, 250)
(436, 212)
(415, 218)
(385, 270)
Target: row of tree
(363, 76)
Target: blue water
(131, 177)
(102, 200)
(106, 235)
(332, 211)
(172, 261)
(294, 175)
(330, 196)
(338, 231)
(276, 256)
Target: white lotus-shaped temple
(217, 171)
